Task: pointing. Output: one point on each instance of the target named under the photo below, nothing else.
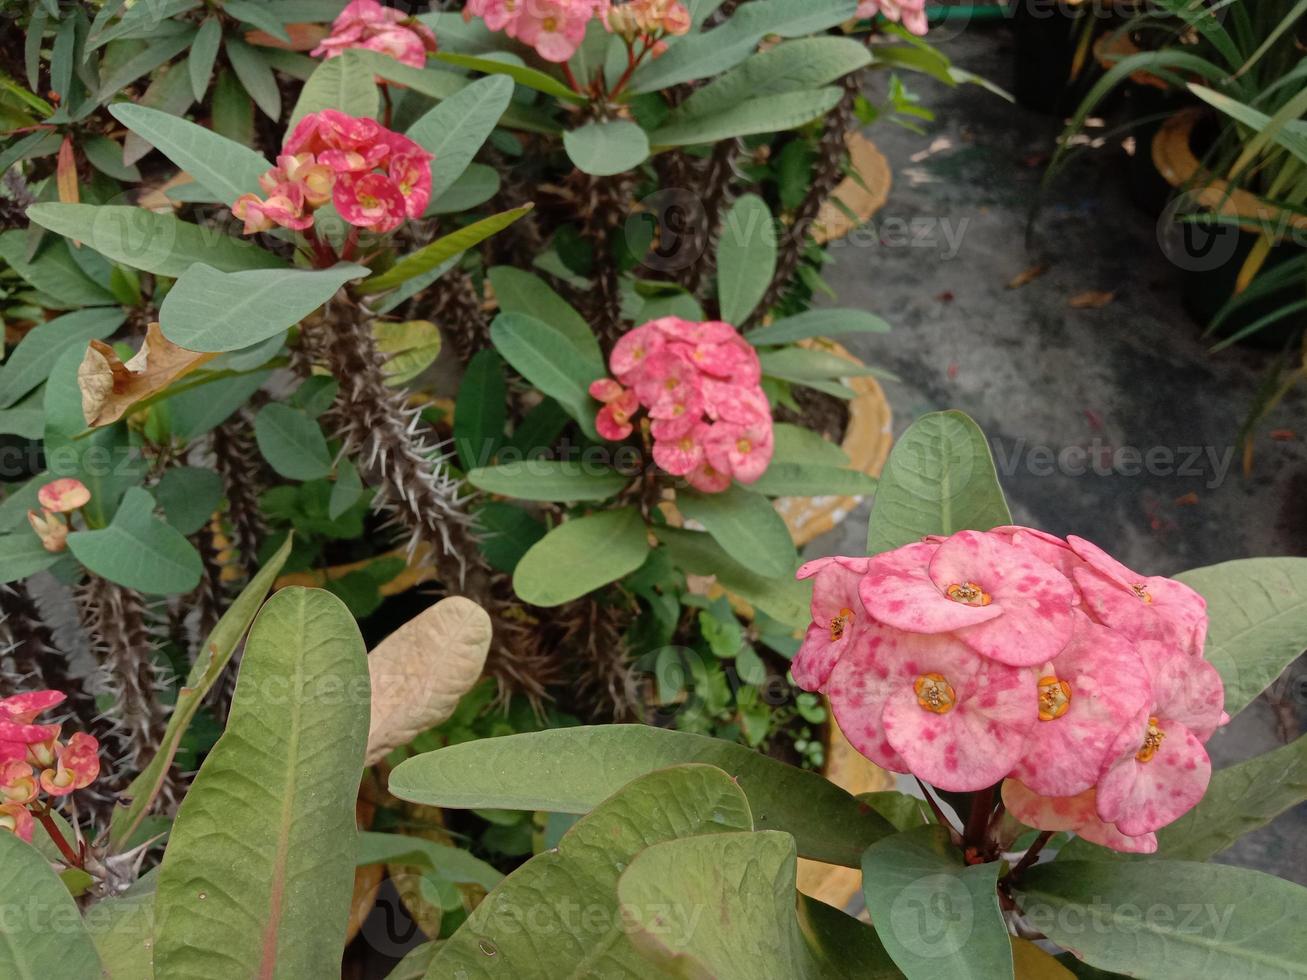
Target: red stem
(324, 257)
(571, 79)
(351, 243)
(982, 808)
(74, 860)
(632, 60)
(939, 814)
(1029, 857)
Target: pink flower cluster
(911, 12)
(58, 499)
(374, 177)
(1014, 655)
(699, 382)
(647, 19)
(555, 28)
(33, 759)
(369, 25)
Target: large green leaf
(747, 527)
(806, 63)
(530, 923)
(746, 257)
(481, 410)
(157, 243)
(571, 770)
(939, 478)
(208, 667)
(223, 166)
(31, 362)
(816, 323)
(292, 442)
(514, 69)
(548, 358)
(1170, 918)
(795, 444)
(772, 114)
(743, 886)
(813, 480)
(1239, 800)
(123, 931)
(430, 256)
(805, 364)
(255, 75)
(548, 479)
(607, 147)
(343, 83)
(41, 935)
(452, 863)
(1257, 609)
(937, 916)
(257, 877)
(519, 291)
(723, 47)
(210, 310)
(455, 129)
(22, 554)
(580, 556)
(783, 599)
(52, 270)
(138, 550)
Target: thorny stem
(72, 857)
(1028, 858)
(939, 814)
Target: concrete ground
(1046, 380)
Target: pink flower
(740, 450)
(370, 25)
(680, 456)
(17, 717)
(372, 201)
(15, 819)
(63, 495)
(614, 419)
(50, 528)
(932, 706)
(911, 12)
(735, 403)
(77, 764)
(1087, 695)
(838, 619)
(1000, 600)
(706, 478)
(1077, 814)
(1160, 769)
(1143, 607)
(631, 352)
(555, 28)
(499, 15)
(18, 784)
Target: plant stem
(571, 79)
(982, 808)
(52, 828)
(1029, 857)
(939, 814)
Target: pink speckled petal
(1041, 544)
(897, 591)
(857, 689)
(1140, 797)
(26, 706)
(810, 568)
(1077, 814)
(1186, 689)
(1109, 688)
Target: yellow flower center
(743, 445)
(969, 594)
(550, 24)
(840, 623)
(1054, 698)
(934, 693)
(1152, 741)
(1141, 593)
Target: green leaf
(233, 112)
(1239, 800)
(22, 554)
(939, 479)
(345, 491)
(208, 667)
(1169, 918)
(746, 884)
(816, 323)
(936, 915)
(52, 270)
(529, 77)
(189, 496)
(747, 527)
(607, 147)
(31, 946)
(551, 361)
(409, 346)
(124, 931)
(451, 863)
(795, 444)
(571, 770)
(746, 257)
(138, 550)
(204, 51)
(474, 186)
(292, 442)
(31, 362)
(344, 84)
(256, 77)
(582, 874)
(1257, 621)
(430, 256)
(712, 52)
(211, 310)
(142, 63)
(254, 12)
(519, 291)
(106, 156)
(506, 532)
(481, 412)
(26, 418)
(455, 129)
(548, 479)
(581, 555)
(772, 114)
(813, 480)
(257, 877)
(223, 166)
(783, 599)
(791, 66)
(157, 243)
(804, 364)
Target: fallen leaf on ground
(1283, 435)
(1028, 276)
(303, 37)
(1189, 499)
(110, 387)
(1094, 299)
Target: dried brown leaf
(1094, 299)
(110, 387)
(303, 37)
(420, 671)
(1027, 276)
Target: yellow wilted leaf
(421, 670)
(409, 348)
(110, 387)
